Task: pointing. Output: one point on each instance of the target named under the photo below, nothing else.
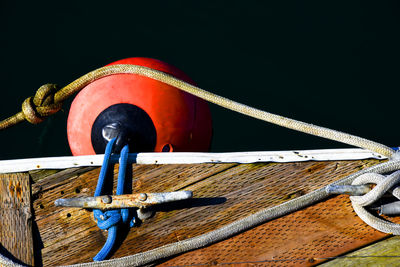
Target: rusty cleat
(140, 200)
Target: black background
(331, 63)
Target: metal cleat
(389, 209)
(352, 190)
(140, 200)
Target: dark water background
(331, 63)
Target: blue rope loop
(111, 219)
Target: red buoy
(159, 117)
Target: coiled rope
(383, 185)
(237, 226)
(230, 229)
(47, 107)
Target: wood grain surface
(223, 193)
(16, 240)
(383, 253)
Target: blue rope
(108, 246)
(110, 220)
(104, 168)
(123, 160)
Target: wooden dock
(223, 193)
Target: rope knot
(384, 184)
(37, 108)
(107, 219)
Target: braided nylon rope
(383, 184)
(110, 220)
(239, 225)
(35, 109)
(242, 224)
(70, 89)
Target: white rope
(259, 217)
(237, 226)
(4, 261)
(383, 185)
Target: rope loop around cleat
(51, 103)
(384, 184)
(110, 220)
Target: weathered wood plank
(383, 253)
(16, 218)
(58, 225)
(224, 193)
(246, 188)
(36, 175)
(304, 238)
